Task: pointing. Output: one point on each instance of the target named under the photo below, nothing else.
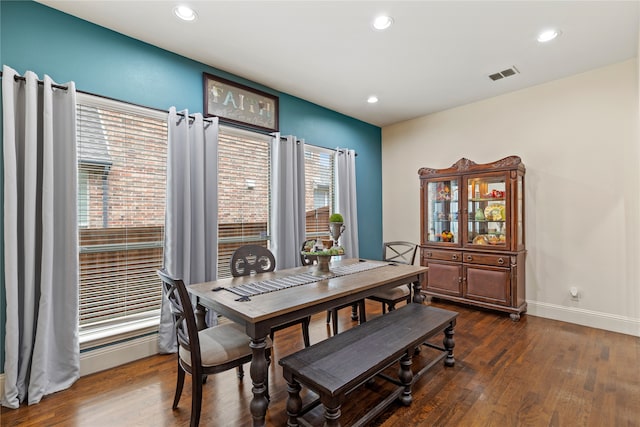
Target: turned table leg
(258, 370)
(200, 312)
(418, 298)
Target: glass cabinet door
(487, 211)
(442, 211)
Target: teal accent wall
(37, 38)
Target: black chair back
(250, 259)
(183, 316)
(400, 252)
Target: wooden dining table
(274, 306)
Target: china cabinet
(472, 234)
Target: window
(319, 194)
(244, 195)
(83, 197)
(121, 209)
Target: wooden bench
(338, 365)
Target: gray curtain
(191, 225)
(42, 352)
(287, 198)
(346, 199)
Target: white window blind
(319, 190)
(121, 201)
(244, 196)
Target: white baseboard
(118, 354)
(594, 319)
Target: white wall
(578, 138)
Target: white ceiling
(437, 55)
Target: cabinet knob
(429, 254)
(500, 261)
(454, 257)
(469, 258)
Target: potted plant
(336, 217)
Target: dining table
(262, 301)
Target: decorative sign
(236, 103)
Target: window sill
(104, 336)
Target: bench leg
(294, 403)
(405, 375)
(449, 343)
(332, 414)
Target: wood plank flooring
(536, 372)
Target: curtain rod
(24, 79)
(57, 86)
(338, 150)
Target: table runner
(247, 290)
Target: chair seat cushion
(397, 293)
(221, 344)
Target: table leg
(258, 370)
(200, 312)
(418, 298)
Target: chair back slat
(400, 251)
(250, 259)
(183, 316)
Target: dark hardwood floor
(536, 372)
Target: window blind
(121, 202)
(244, 195)
(319, 190)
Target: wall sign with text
(236, 103)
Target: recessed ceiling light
(382, 22)
(548, 35)
(185, 13)
(372, 99)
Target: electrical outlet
(573, 291)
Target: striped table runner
(262, 287)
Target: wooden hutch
(472, 234)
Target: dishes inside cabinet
(495, 213)
(480, 239)
(496, 239)
(493, 239)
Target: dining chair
(399, 252)
(206, 352)
(254, 259)
(332, 313)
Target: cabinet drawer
(430, 254)
(486, 259)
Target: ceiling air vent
(504, 73)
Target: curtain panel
(346, 199)
(42, 352)
(287, 198)
(191, 224)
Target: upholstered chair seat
(220, 344)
